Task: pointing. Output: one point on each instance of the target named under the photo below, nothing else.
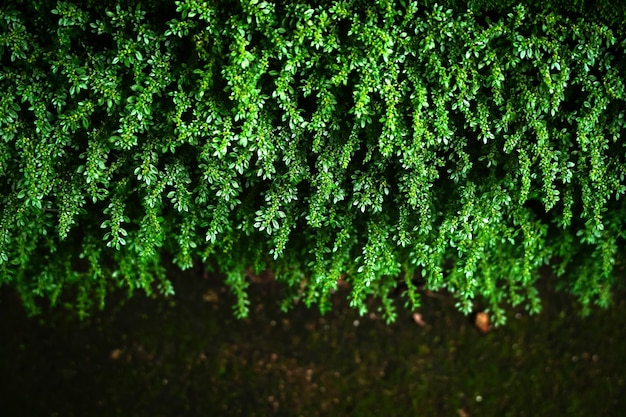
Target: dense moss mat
(187, 356)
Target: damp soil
(187, 355)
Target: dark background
(188, 355)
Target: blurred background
(187, 355)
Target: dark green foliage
(609, 12)
(373, 141)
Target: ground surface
(188, 356)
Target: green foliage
(387, 143)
